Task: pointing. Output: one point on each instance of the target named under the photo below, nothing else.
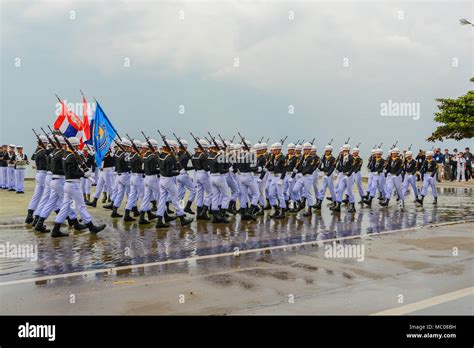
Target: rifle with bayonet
(182, 146)
(173, 153)
(137, 150)
(246, 147)
(214, 141)
(197, 143)
(55, 146)
(150, 145)
(40, 143)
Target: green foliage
(456, 117)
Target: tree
(456, 117)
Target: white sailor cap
(43, 138)
(298, 147)
(248, 142)
(276, 146)
(264, 145)
(203, 143)
(379, 151)
(355, 149)
(172, 143)
(396, 150)
(125, 142)
(408, 153)
(137, 143)
(143, 145)
(313, 148)
(74, 141)
(153, 142)
(228, 143)
(372, 151)
(11, 145)
(429, 153)
(307, 146)
(19, 146)
(346, 147)
(219, 143)
(184, 142)
(328, 148)
(236, 146)
(290, 146)
(61, 139)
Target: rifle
(409, 147)
(81, 161)
(214, 141)
(358, 145)
(55, 138)
(297, 142)
(173, 153)
(182, 146)
(283, 140)
(268, 139)
(380, 145)
(331, 141)
(232, 140)
(49, 139)
(137, 150)
(197, 143)
(246, 147)
(208, 140)
(347, 141)
(150, 145)
(394, 145)
(223, 142)
(261, 139)
(302, 142)
(312, 141)
(40, 143)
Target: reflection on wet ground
(128, 244)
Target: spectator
(454, 165)
(468, 158)
(439, 158)
(447, 165)
(461, 166)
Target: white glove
(182, 171)
(88, 174)
(280, 182)
(259, 169)
(299, 175)
(259, 180)
(231, 169)
(295, 170)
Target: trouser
(290, 184)
(11, 177)
(115, 177)
(220, 192)
(327, 183)
(345, 184)
(262, 189)
(40, 178)
(96, 174)
(3, 177)
(185, 182)
(106, 177)
(376, 184)
(168, 191)
(19, 180)
(410, 180)
(136, 191)
(305, 182)
(394, 182)
(45, 195)
(56, 198)
(86, 185)
(448, 172)
(73, 196)
(204, 190)
(275, 191)
(123, 188)
(460, 173)
(248, 188)
(440, 171)
(429, 181)
(338, 178)
(369, 180)
(298, 183)
(315, 182)
(358, 182)
(233, 184)
(152, 191)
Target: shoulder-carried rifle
(40, 143)
(182, 146)
(198, 143)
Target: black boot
(169, 218)
(168, 210)
(57, 231)
(188, 209)
(232, 206)
(142, 220)
(420, 200)
(308, 212)
(29, 216)
(280, 213)
(352, 208)
(109, 206)
(127, 216)
(77, 225)
(115, 214)
(336, 207)
(160, 223)
(435, 202)
(184, 221)
(40, 227)
(154, 206)
(258, 211)
(93, 203)
(95, 229)
(150, 215)
(346, 200)
(135, 211)
(198, 210)
(249, 214)
(385, 202)
(104, 198)
(35, 220)
(203, 214)
(223, 215)
(275, 211)
(318, 204)
(368, 201)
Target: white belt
(276, 175)
(58, 176)
(49, 172)
(246, 174)
(20, 167)
(215, 174)
(107, 169)
(136, 174)
(73, 180)
(11, 166)
(308, 175)
(41, 171)
(200, 171)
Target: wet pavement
(122, 244)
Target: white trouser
(136, 191)
(305, 182)
(410, 180)
(19, 180)
(56, 198)
(123, 187)
(429, 181)
(106, 178)
(185, 182)
(394, 182)
(376, 184)
(168, 191)
(248, 187)
(152, 191)
(11, 177)
(327, 183)
(204, 190)
(460, 173)
(275, 191)
(73, 196)
(45, 195)
(358, 182)
(40, 178)
(345, 184)
(3, 177)
(220, 192)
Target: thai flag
(69, 123)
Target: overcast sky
(236, 66)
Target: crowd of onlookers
(451, 166)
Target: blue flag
(104, 134)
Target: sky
(267, 69)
